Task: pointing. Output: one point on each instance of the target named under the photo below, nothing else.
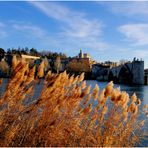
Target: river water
(140, 90)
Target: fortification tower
(138, 71)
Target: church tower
(81, 54)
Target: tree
(8, 51)
(33, 52)
(57, 64)
(54, 55)
(26, 50)
(62, 55)
(46, 64)
(22, 51)
(2, 53)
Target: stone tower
(138, 71)
(81, 54)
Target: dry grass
(66, 113)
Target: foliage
(34, 52)
(26, 51)
(54, 55)
(67, 112)
(2, 53)
(78, 66)
(18, 51)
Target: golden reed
(67, 112)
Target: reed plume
(67, 112)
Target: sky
(106, 30)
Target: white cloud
(129, 8)
(73, 23)
(76, 29)
(136, 33)
(45, 38)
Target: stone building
(83, 55)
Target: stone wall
(138, 72)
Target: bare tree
(46, 64)
(57, 64)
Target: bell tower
(81, 54)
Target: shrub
(66, 113)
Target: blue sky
(106, 30)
